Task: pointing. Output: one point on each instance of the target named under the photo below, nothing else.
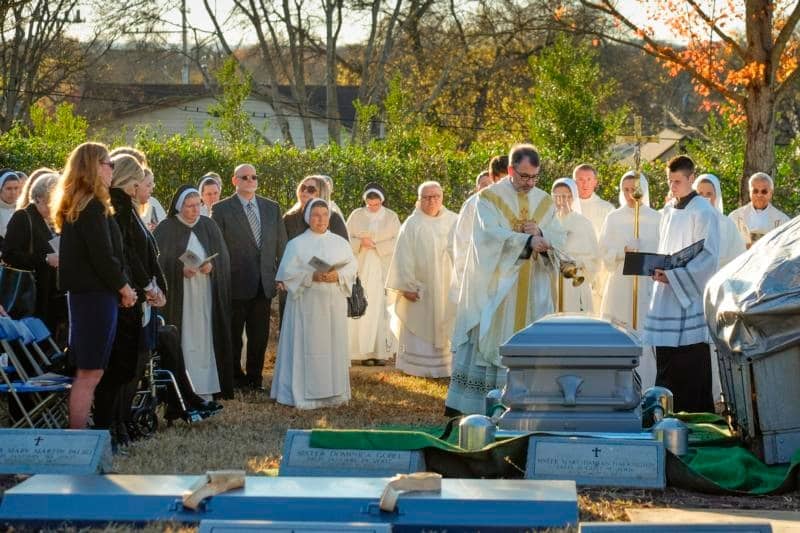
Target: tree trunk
(333, 8)
(759, 152)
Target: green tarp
(716, 463)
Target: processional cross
(638, 139)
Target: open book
(192, 260)
(645, 264)
(322, 266)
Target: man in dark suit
(255, 235)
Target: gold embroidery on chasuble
(517, 222)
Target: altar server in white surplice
(759, 216)
(581, 245)
(311, 367)
(373, 233)
(596, 210)
(675, 322)
(507, 281)
(616, 238)
(419, 279)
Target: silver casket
(570, 372)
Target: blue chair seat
(24, 387)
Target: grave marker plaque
(300, 459)
(597, 462)
(54, 451)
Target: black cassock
(172, 236)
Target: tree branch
(655, 49)
(784, 36)
(741, 52)
(783, 90)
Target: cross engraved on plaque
(597, 452)
(37, 440)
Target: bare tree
(37, 59)
(333, 25)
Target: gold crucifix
(638, 139)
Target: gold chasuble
(500, 292)
(517, 222)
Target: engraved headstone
(253, 526)
(597, 462)
(300, 459)
(54, 451)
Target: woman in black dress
(91, 269)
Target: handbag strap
(30, 225)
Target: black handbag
(18, 287)
(357, 301)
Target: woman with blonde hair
(25, 194)
(311, 187)
(91, 269)
(136, 333)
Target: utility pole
(185, 70)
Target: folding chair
(43, 344)
(44, 401)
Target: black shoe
(211, 406)
(123, 437)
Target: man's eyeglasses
(308, 188)
(760, 191)
(533, 178)
(431, 198)
(109, 164)
(248, 178)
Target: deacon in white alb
(675, 322)
(419, 279)
(312, 364)
(759, 216)
(616, 238)
(596, 210)
(373, 233)
(581, 245)
(507, 281)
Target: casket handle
(570, 386)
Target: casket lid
(566, 334)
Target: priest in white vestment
(580, 245)
(617, 238)
(596, 210)
(759, 216)
(312, 363)
(419, 280)
(675, 322)
(373, 233)
(10, 187)
(507, 280)
(461, 235)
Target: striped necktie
(255, 225)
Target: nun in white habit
(373, 232)
(616, 238)
(312, 364)
(581, 245)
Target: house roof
(115, 100)
(668, 138)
